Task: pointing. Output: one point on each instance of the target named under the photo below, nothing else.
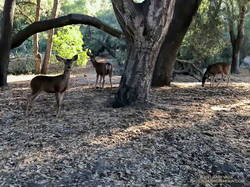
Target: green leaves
(68, 41)
(205, 38)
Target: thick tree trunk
(235, 68)
(145, 26)
(36, 41)
(136, 79)
(183, 15)
(5, 39)
(237, 41)
(49, 41)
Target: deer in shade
(102, 69)
(220, 68)
(52, 84)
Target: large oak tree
(236, 14)
(5, 39)
(183, 15)
(145, 27)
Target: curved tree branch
(70, 19)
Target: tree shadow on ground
(177, 139)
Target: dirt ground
(185, 136)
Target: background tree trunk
(145, 26)
(5, 39)
(136, 79)
(237, 41)
(182, 18)
(49, 41)
(37, 55)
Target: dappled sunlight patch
(18, 78)
(130, 134)
(231, 106)
(160, 114)
(186, 84)
(21, 89)
(136, 132)
(220, 108)
(184, 129)
(38, 157)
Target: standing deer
(216, 69)
(102, 69)
(56, 84)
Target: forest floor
(186, 135)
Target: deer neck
(94, 62)
(66, 74)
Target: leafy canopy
(68, 41)
(205, 37)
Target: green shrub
(21, 65)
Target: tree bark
(182, 18)
(49, 41)
(37, 55)
(145, 26)
(136, 79)
(5, 39)
(237, 41)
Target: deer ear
(74, 58)
(89, 53)
(59, 58)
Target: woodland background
(183, 135)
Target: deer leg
(60, 99)
(110, 76)
(220, 80)
(103, 81)
(214, 81)
(57, 99)
(30, 99)
(223, 77)
(211, 81)
(97, 77)
(100, 81)
(228, 79)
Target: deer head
(89, 53)
(67, 62)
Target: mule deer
(102, 69)
(56, 84)
(216, 69)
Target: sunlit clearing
(17, 89)
(220, 108)
(138, 1)
(186, 84)
(16, 78)
(132, 132)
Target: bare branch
(70, 19)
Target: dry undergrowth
(185, 135)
